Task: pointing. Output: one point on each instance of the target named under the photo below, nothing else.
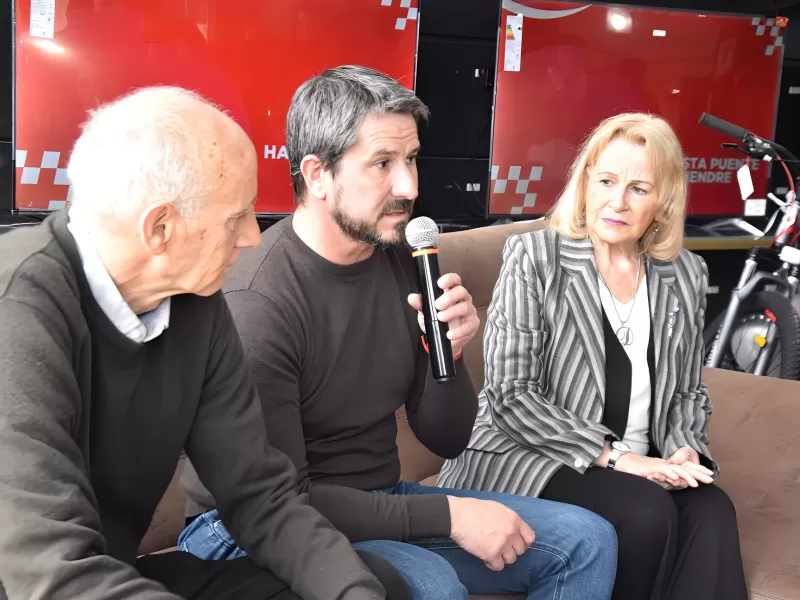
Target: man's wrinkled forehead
(387, 134)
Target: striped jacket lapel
(583, 300)
(667, 318)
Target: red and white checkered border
(762, 24)
(500, 186)
(30, 174)
(411, 15)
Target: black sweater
(335, 350)
(92, 426)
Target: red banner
(247, 56)
(563, 67)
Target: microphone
(422, 235)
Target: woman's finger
(701, 474)
(667, 469)
(669, 474)
(695, 468)
(684, 474)
(659, 479)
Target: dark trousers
(679, 545)
(193, 578)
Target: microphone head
(422, 232)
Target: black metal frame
(7, 200)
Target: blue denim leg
(429, 576)
(207, 538)
(574, 556)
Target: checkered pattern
(772, 29)
(47, 176)
(501, 186)
(411, 15)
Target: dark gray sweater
(92, 426)
(335, 350)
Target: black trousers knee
(193, 578)
(678, 545)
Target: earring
(656, 229)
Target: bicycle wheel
(742, 350)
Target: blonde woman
(594, 393)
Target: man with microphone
(327, 312)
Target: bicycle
(759, 331)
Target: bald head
(156, 145)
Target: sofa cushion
(477, 256)
(755, 437)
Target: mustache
(397, 205)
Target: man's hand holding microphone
(448, 318)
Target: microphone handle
(439, 347)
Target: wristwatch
(617, 450)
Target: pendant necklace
(624, 333)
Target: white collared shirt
(139, 328)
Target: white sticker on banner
(513, 43)
(745, 182)
(755, 208)
(43, 18)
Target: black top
(335, 351)
(93, 425)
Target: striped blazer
(543, 397)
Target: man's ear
(157, 226)
(313, 172)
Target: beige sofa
(755, 436)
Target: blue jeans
(574, 556)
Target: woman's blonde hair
(568, 215)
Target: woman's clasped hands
(681, 470)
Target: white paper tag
(745, 182)
(513, 43)
(755, 208)
(42, 18)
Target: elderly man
(323, 310)
(118, 351)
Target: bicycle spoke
(750, 366)
(739, 347)
(774, 369)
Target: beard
(366, 232)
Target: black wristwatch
(617, 450)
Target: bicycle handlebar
(754, 145)
(734, 131)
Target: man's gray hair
(156, 144)
(328, 109)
